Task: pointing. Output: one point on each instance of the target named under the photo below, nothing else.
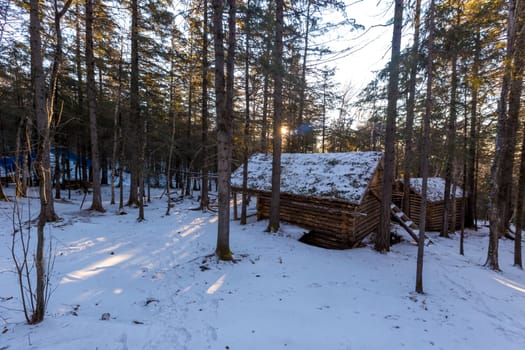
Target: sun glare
(94, 269)
(215, 287)
(511, 284)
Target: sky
(366, 50)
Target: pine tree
(277, 72)
(425, 151)
(92, 109)
(382, 242)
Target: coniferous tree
(92, 109)
(425, 151)
(43, 164)
(224, 110)
(277, 73)
(135, 121)
(508, 114)
(204, 110)
(411, 105)
(382, 242)
(451, 124)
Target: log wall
(434, 213)
(333, 224)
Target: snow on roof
(435, 188)
(342, 176)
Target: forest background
(153, 89)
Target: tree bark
(224, 127)
(3, 196)
(117, 126)
(134, 106)
(382, 242)
(142, 161)
(204, 128)
(411, 106)
(508, 115)
(246, 139)
(43, 165)
(277, 71)
(92, 109)
(518, 261)
(302, 86)
(470, 183)
(425, 151)
(451, 134)
(55, 73)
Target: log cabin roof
(435, 188)
(335, 176)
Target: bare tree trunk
(246, 140)
(224, 125)
(411, 105)
(20, 173)
(43, 165)
(266, 89)
(170, 156)
(424, 155)
(117, 125)
(264, 121)
(173, 115)
(323, 113)
(142, 162)
(55, 73)
(204, 129)
(302, 85)
(277, 71)
(134, 106)
(451, 138)
(518, 261)
(92, 109)
(3, 196)
(508, 115)
(470, 183)
(382, 242)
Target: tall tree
(302, 85)
(411, 106)
(277, 72)
(136, 131)
(204, 110)
(382, 242)
(55, 74)
(224, 109)
(117, 124)
(508, 115)
(451, 124)
(92, 109)
(43, 164)
(426, 147)
(518, 261)
(246, 136)
(470, 174)
(43, 123)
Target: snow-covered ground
(163, 289)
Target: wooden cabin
(334, 195)
(435, 203)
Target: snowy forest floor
(164, 289)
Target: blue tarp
(8, 164)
